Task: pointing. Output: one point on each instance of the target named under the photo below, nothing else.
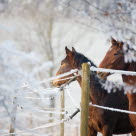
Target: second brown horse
(115, 59)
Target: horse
(100, 120)
(114, 59)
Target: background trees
(33, 34)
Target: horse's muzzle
(56, 83)
(103, 75)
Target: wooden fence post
(85, 99)
(13, 117)
(62, 101)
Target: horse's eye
(62, 62)
(118, 53)
(115, 54)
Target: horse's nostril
(99, 73)
(54, 83)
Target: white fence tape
(112, 109)
(113, 71)
(40, 127)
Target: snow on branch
(9, 47)
(129, 52)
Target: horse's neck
(132, 100)
(78, 66)
(96, 92)
(131, 80)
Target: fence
(131, 73)
(84, 100)
(62, 108)
(86, 80)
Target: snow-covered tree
(18, 83)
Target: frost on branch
(17, 84)
(129, 52)
(110, 86)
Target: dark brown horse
(114, 59)
(106, 122)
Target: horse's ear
(121, 44)
(73, 49)
(67, 50)
(113, 41)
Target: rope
(113, 109)
(65, 78)
(50, 79)
(56, 108)
(68, 92)
(62, 87)
(32, 98)
(56, 77)
(43, 91)
(45, 111)
(41, 82)
(43, 126)
(113, 71)
(47, 125)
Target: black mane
(95, 79)
(80, 59)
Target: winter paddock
(67, 68)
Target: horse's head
(73, 60)
(114, 58)
(66, 66)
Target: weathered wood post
(62, 101)
(85, 99)
(13, 118)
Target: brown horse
(114, 59)
(104, 121)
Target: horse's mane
(133, 66)
(80, 59)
